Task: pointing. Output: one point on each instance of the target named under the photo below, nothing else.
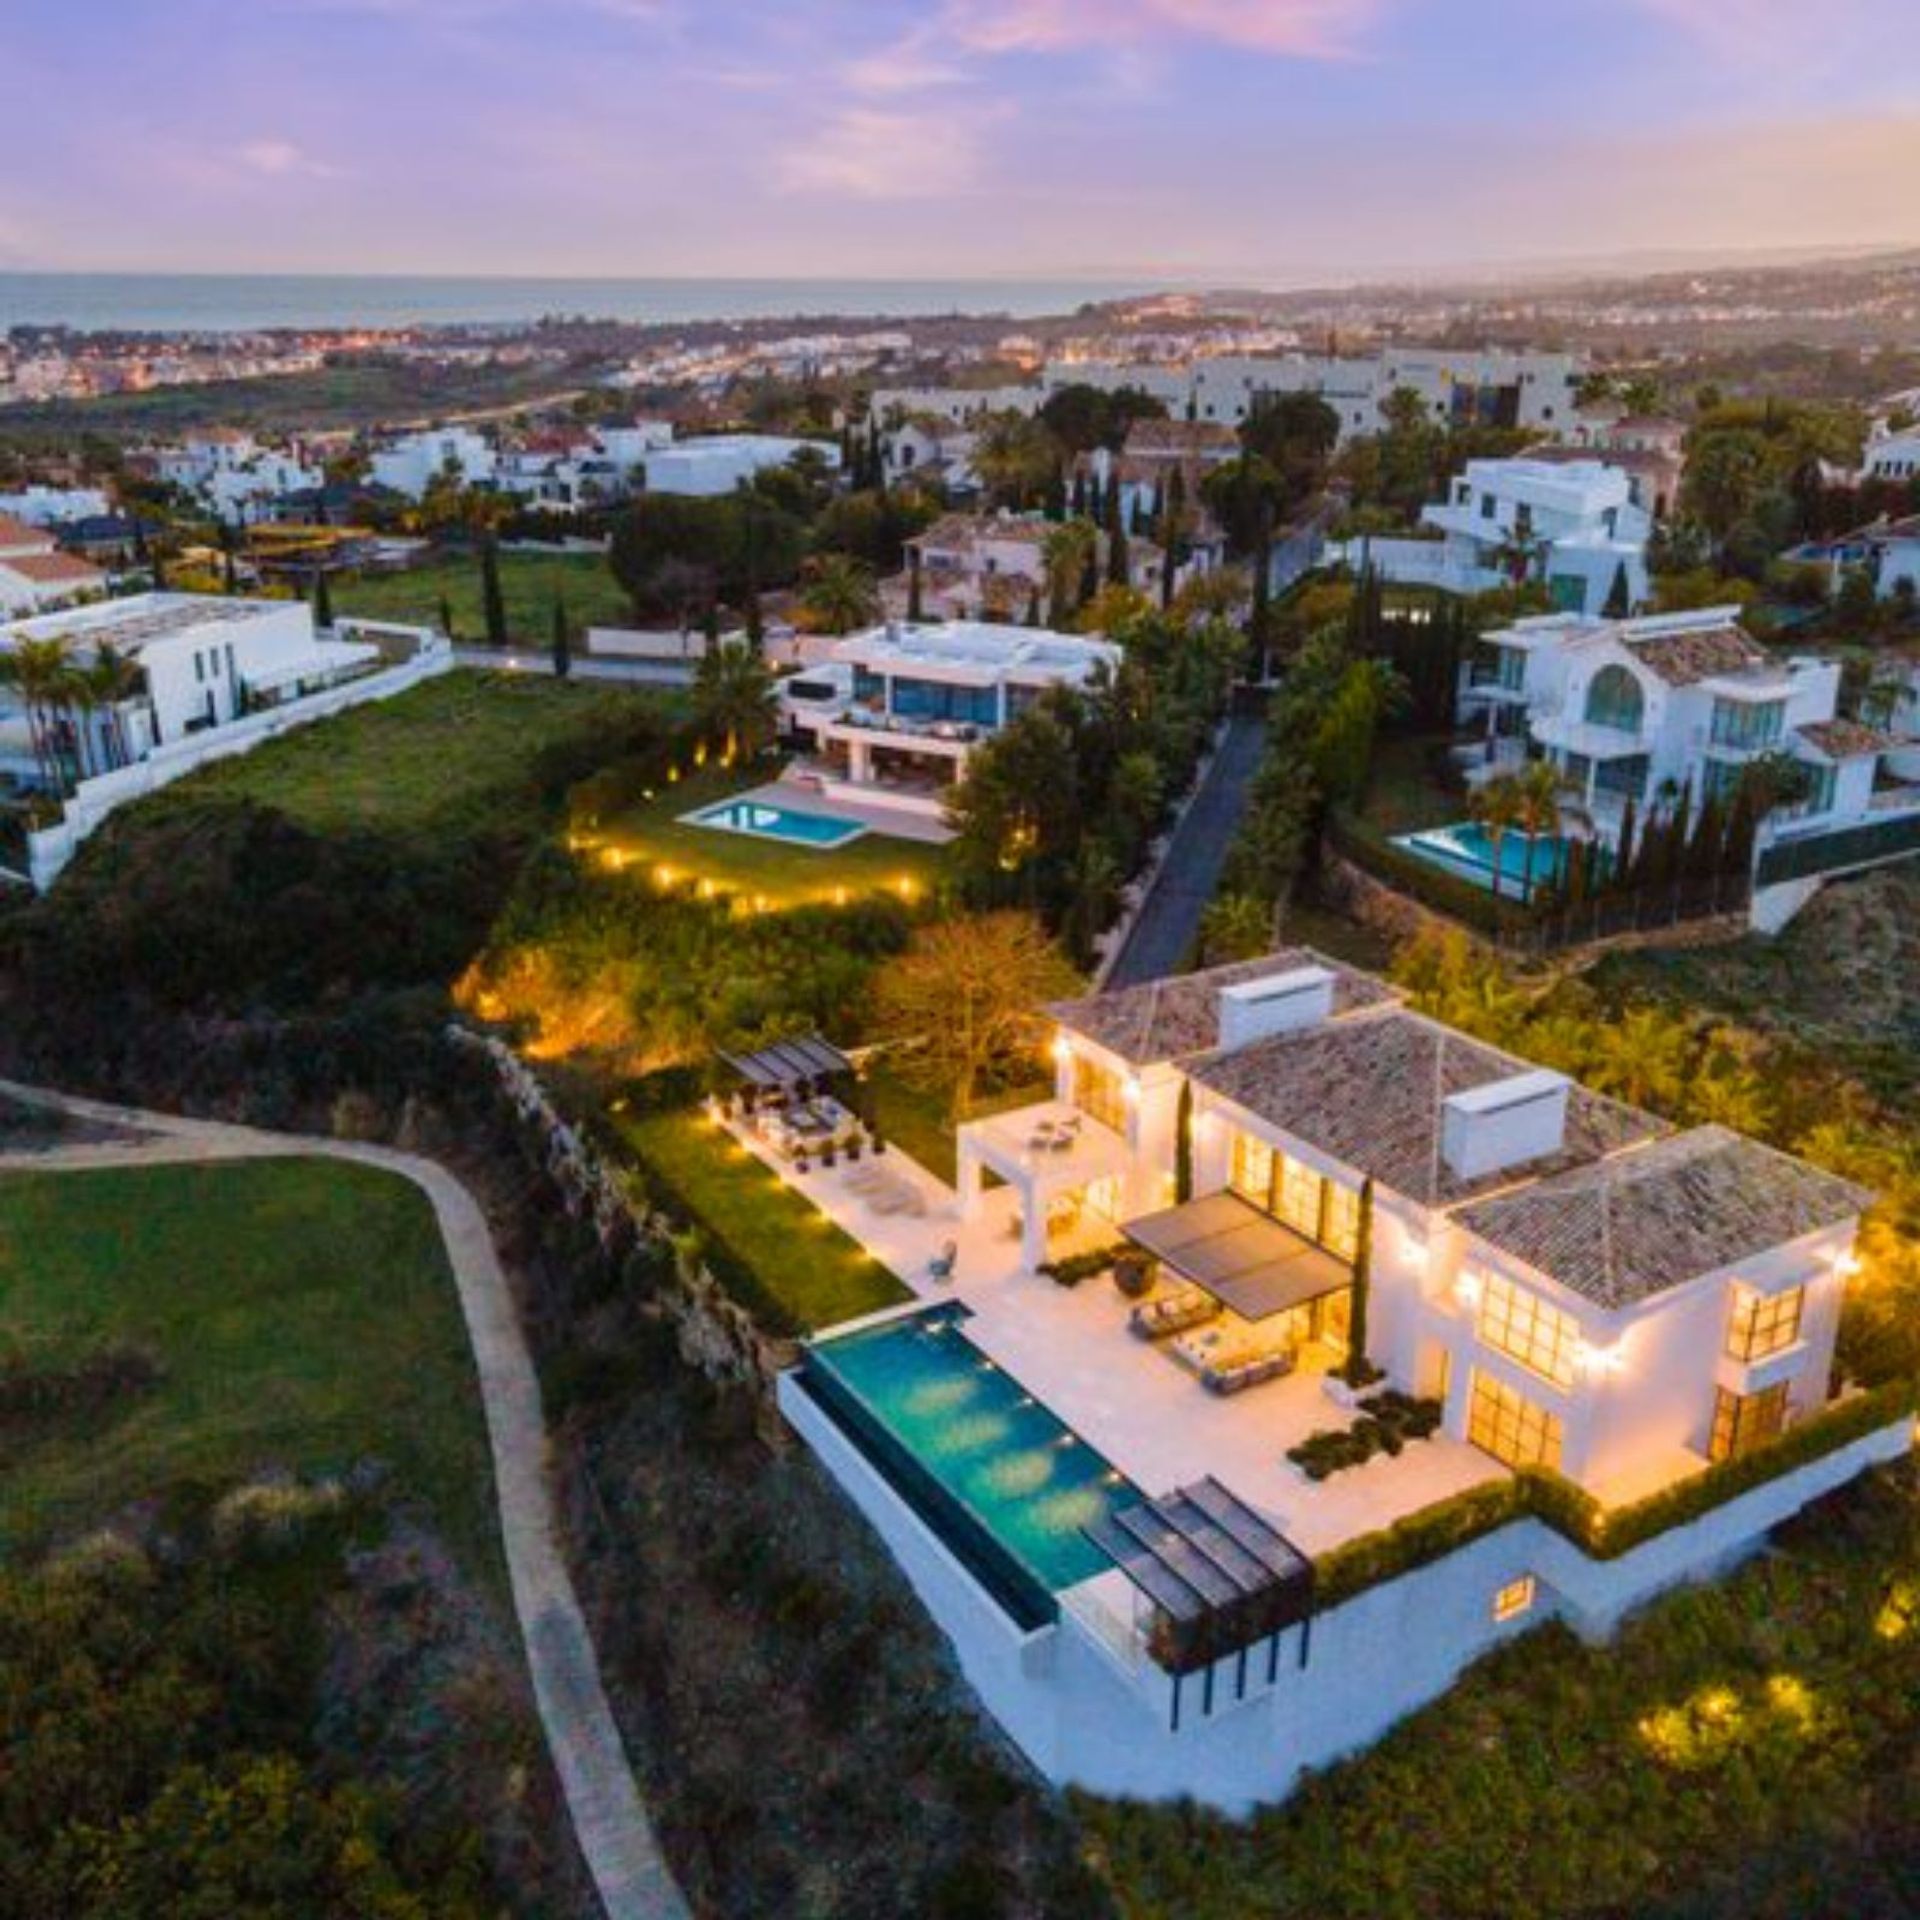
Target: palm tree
(117, 680)
(38, 670)
(1496, 805)
(1065, 552)
(1642, 1058)
(1541, 807)
(839, 595)
(733, 699)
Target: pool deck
(1070, 1348)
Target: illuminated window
(1505, 1423)
(1097, 1093)
(1743, 1421)
(1252, 1174)
(1299, 1198)
(1764, 1323)
(1517, 1322)
(1340, 1229)
(1514, 1599)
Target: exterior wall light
(1596, 1361)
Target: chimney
(1504, 1123)
(1280, 1003)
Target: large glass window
(1743, 1421)
(1614, 699)
(1340, 1220)
(1321, 1210)
(1298, 1200)
(1502, 1421)
(1252, 1175)
(1764, 1323)
(1098, 1093)
(1748, 724)
(937, 700)
(1517, 1322)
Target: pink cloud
(1314, 28)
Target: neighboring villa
(199, 676)
(1572, 526)
(1154, 452)
(991, 566)
(235, 477)
(897, 712)
(36, 576)
(411, 463)
(1157, 1577)
(1893, 456)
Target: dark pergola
(1246, 1259)
(1221, 1582)
(790, 1066)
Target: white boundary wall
(93, 801)
(1089, 1711)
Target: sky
(1250, 141)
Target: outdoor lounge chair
(1247, 1369)
(1172, 1313)
(941, 1266)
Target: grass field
(430, 753)
(778, 873)
(791, 1262)
(918, 1121)
(529, 585)
(303, 1317)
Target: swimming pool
(1466, 848)
(1007, 1487)
(819, 831)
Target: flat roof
(977, 646)
(141, 621)
(1249, 1261)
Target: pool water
(1467, 849)
(1006, 1470)
(817, 830)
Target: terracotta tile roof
(1372, 1091)
(1640, 1222)
(16, 533)
(1845, 739)
(54, 569)
(1181, 439)
(1177, 1017)
(1684, 659)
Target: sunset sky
(1246, 139)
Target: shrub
(1083, 1266)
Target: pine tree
(562, 639)
(493, 606)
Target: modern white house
(35, 575)
(41, 506)
(721, 462)
(411, 463)
(1893, 456)
(1573, 527)
(898, 711)
(234, 476)
(1160, 1524)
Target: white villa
(35, 575)
(1893, 456)
(896, 713)
(718, 463)
(231, 473)
(411, 463)
(1099, 1497)
(1574, 526)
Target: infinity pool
(1000, 1479)
(817, 830)
(1467, 849)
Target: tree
(1082, 417)
(916, 610)
(1066, 552)
(1295, 435)
(961, 1004)
(562, 640)
(838, 595)
(1014, 457)
(492, 605)
(1359, 1371)
(1619, 595)
(1496, 805)
(322, 600)
(734, 699)
(1183, 1145)
(1246, 496)
(1542, 803)
(446, 618)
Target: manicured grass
(773, 872)
(303, 1317)
(784, 1257)
(432, 753)
(1745, 1748)
(1403, 792)
(529, 584)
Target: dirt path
(616, 1839)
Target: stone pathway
(616, 1839)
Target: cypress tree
(1621, 869)
(1358, 1369)
(1620, 597)
(562, 639)
(1183, 1145)
(322, 600)
(710, 627)
(1078, 501)
(446, 617)
(876, 456)
(915, 610)
(755, 621)
(1090, 574)
(1033, 608)
(493, 606)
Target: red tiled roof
(54, 569)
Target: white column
(1033, 1226)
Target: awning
(1245, 1258)
(789, 1063)
(1222, 1577)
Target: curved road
(616, 1839)
(1169, 921)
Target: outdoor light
(1130, 1093)
(1596, 1360)
(1467, 1289)
(1062, 1048)
(1847, 1265)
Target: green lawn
(920, 1123)
(431, 753)
(1403, 792)
(781, 1255)
(303, 1316)
(529, 584)
(777, 873)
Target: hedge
(1602, 1533)
(1449, 893)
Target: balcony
(1595, 741)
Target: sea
(243, 303)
